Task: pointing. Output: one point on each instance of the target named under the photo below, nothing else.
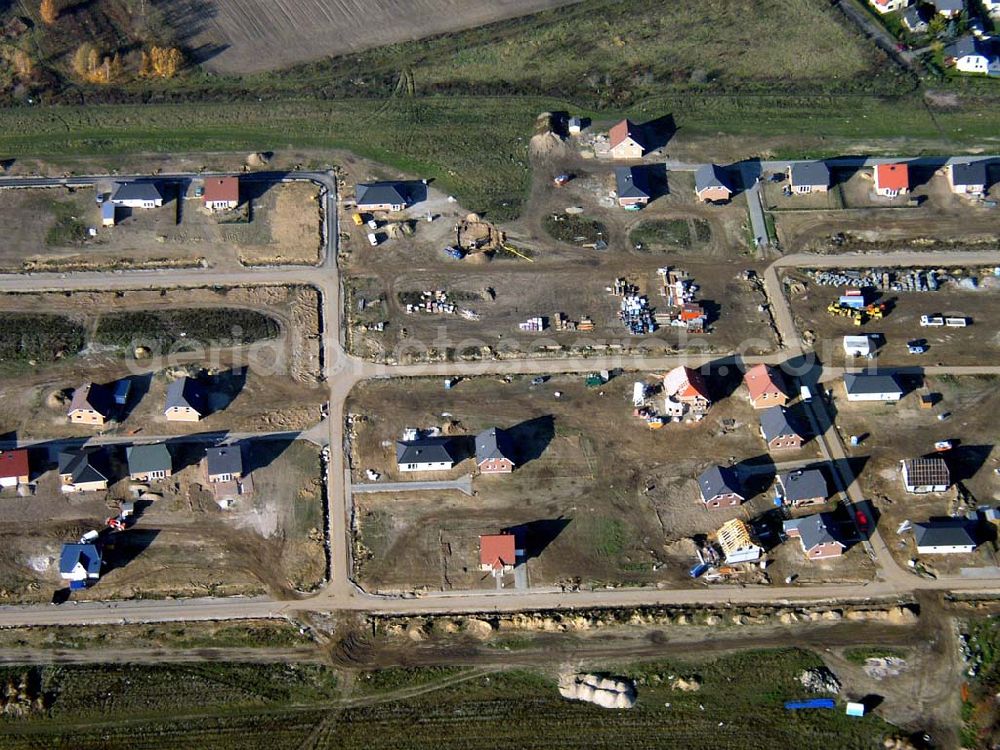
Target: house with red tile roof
(497, 553)
(222, 193)
(892, 180)
(625, 141)
(688, 387)
(766, 386)
(14, 469)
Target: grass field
(229, 706)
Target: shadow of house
(124, 547)
(965, 461)
(743, 174)
(261, 453)
(658, 133)
(756, 474)
(188, 450)
(531, 438)
(657, 184)
(224, 387)
(533, 537)
(138, 388)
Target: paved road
(463, 484)
(757, 222)
(212, 438)
(342, 371)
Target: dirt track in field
(248, 36)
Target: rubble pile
(820, 680)
(602, 691)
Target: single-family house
(79, 563)
(892, 180)
(992, 8)
(967, 177)
(149, 462)
(915, 20)
(631, 185)
(857, 346)
(574, 125)
(766, 386)
(688, 387)
(971, 55)
(778, 430)
(14, 468)
(425, 454)
(380, 196)
(495, 452)
(83, 470)
(625, 141)
(186, 401)
(720, 487)
(221, 193)
(224, 463)
(711, 184)
(889, 6)
(949, 8)
(864, 386)
(818, 534)
(808, 177)
(497, 553)
(137, 195)
(108, 214)
(922, 475)
(91, 404)
(951, 536)
(803, 487)
(737, 543)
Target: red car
(861, 519)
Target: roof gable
(804, 484)
(810, 173)
(222, 189)
(944, 533)
(926, 471)
(969, 173)
(185, 393)
(863, 382)
(761, 379)
(497, 550)
(893, 176)
(224, 459)
(624, 130)
(150, 457)
(685, 382)
(92, 396)
(379, 193)
(136, 191)
(775, 422)
(631, 182)
(814, 530)
(87, 555)
(429, 450)
(719, 480)
(84, 465)
(494, 444)
(710, 176)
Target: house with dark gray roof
(971, 55)
(186, 401)
(137, 195)
(380, 196)
(803, 487)
(914, 19)
(808, 177)
(720, 487)
(632, 186)
(778, 430)
(84, 469)
(949, 8)
(947, 536)
(426, 454)
(864, 386)
(224, 463)
(494, 451)
(149, 462)
(711, 184)
(968, 177)
(819, 535)
(80, 562)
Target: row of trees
(91, 65)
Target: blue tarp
(813, 703)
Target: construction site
(619, 502)
(913, 317)
(171, 537)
